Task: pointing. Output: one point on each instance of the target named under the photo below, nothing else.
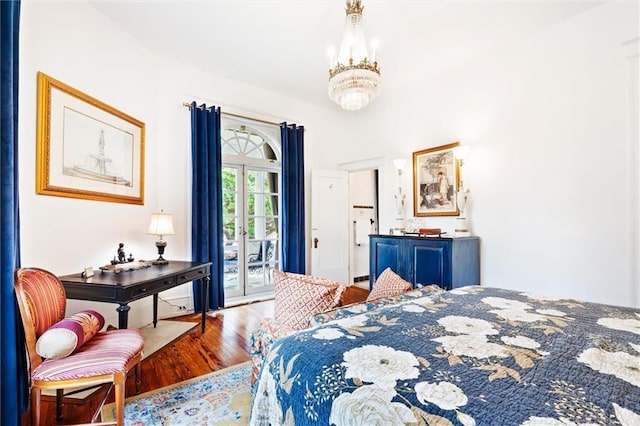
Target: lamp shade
(399, 163)
(461, 152)
(161, 224)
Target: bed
(471, 356)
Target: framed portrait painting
(436, 177)
(85, 148)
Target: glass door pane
(262, 228)
(232, 227)
(251, 223)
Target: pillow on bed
(299, 297)
(66, 336)
(388, 284)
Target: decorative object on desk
(87, 272)
(161, 224)
(121, 255)
(130, 266)
(435, 181)
(462, 196)
(399, 164)
(85, 148)
(430, 231)
(354, 77)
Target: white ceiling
(282, 45)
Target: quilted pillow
(299, 297)
(64, 337)
(388, 284)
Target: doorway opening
(344, 212)
(364, 220)
(251, 212)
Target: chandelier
(354, 79)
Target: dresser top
(416, 236)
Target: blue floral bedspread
(471, 356)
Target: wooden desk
(127, 286)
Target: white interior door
(330, 224)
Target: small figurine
(131, 258)
(122, 257)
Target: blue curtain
(293, 232)
(14, 368)
(206, 194)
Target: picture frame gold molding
(428, 165)
(66, 162)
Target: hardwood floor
(225, 342)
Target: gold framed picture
(86, 148)
(436, 178)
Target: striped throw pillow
(66, 336)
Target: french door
(251, 221)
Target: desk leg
(205, 300)
(155, 310)
(123, 315)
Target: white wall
(551, 183)
(74, 43)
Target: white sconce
(462, 197)
(399, 164)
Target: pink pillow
(299, 297)
(388, 284)
(64, 337)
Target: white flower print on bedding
(518, 315)
(629, 324)
(551, 312)
(369, 405)
(328, 334)
(380, 365)
(466, 325)
(502, 303)
(353, 321)
(413, 308)
(618, 364)
(521, 341)
(539, 298)
(444, 394)
(473, 345)
(625, 416)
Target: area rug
(219, 398)
(163, 334)
(156, 338)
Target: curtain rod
(188, 105)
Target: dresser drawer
(195, 274)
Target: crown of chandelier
(354, 78)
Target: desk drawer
(196, 274)
(142, 290)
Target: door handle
(315, 243)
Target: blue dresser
(448, 262)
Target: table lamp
(161, 224)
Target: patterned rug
(219, 398)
